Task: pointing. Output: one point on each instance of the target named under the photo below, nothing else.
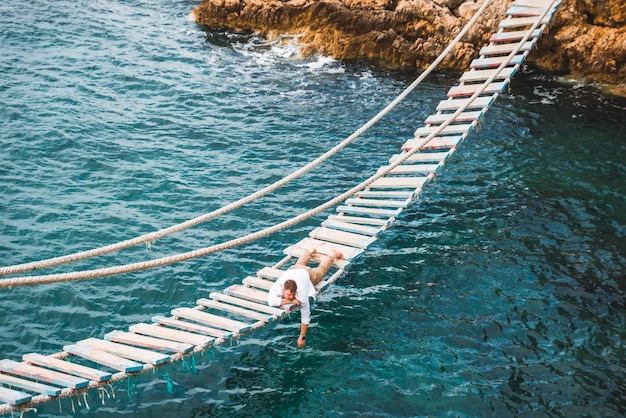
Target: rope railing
(150, 237)
(128, 268)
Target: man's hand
(301, 342)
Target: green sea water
(500, 292)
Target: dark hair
(290, 285)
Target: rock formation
(587, 38)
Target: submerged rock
(586, 39)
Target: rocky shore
(586, 39)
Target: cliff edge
(586, 39)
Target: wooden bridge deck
(243, 308)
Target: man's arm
(275, 296)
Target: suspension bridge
(362, 214)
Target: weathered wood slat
(437, 142)
(214, 304)
(342, 237)
(67, 367)
(454, 104)
(102, 357)
(13, 397)
(379, 203)
(484, 75)
(500, 49)
(191, 327)
(399, 182)
(351, 227)
(360, 220)
(270, 273)
(514, 36)
(359, 210)
(440, 118)
(257, 282)
(424, 131)
(247, 293)
(165, 333)
(414, 170)
(470, 89)
(405, 195)
(520, 22)
(323, 248)
(495, 62)
(211, 320)
(260, 307)
(535, 3)
(445, 142)
(130, 338)
(126, 351)
(29, 385)
(524, 11)
(42, 375)
(422, 157)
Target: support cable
(55, 261)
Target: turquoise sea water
(500, 293)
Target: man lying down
(297, 285)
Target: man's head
(289, 290)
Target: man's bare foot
(336, 255)
(313, 251)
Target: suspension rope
(109, 271)
(35, 265)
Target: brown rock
(587, 38)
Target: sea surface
(501, 292)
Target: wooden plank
(444, 142)
(524, 11)
(323, 248)
(261, 307)
(399, 182)
(350, 227)
(435, 143)
(520, 22)
(495, 62)
(535, 3)
(514, 36)
(342, 237)
(222, 306)
(67, 367)
(13, 397)
(454, 104)
(440, 118)
(483, 75)
(258, 282)
(42, 375)
(130, 338)
(470, 89)
(405, 195)
(270, 273)
(126, 351)
(158, 331)
(448, 130)
(414, 170)
(211, 320)
(29, 385)
(247, 293)
(422, 157)
(102, 357)
(501, 49)
(360, 220)
(379, 203)
(359, 210)
(192, 327)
